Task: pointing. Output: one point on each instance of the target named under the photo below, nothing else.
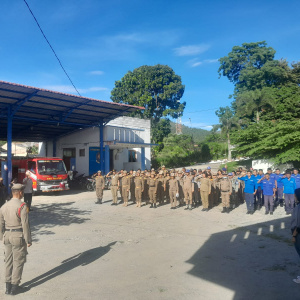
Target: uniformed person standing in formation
(100, 183)
(205, 190)
(125, 187)
(115, 185)
(226, 190)
(139, 188)
(153, 183)
(173, 191)
(15, 231)
(188, 188)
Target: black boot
(154, 205)
(14, 289)
(8, 288)
(151, 206)
(228, 210)
(224, 210)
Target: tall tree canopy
(266, 102)
(157, 88)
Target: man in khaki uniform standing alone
(100, 183)
(226, 190)
(139, 188)
(205, 190)
(15, 230)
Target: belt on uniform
(15, 230)
(225, 191)
(114, 185)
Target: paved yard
(86, 251)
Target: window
(81, 152)
(32, 166)
(132, 157)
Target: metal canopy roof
(40, 114)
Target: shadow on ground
(47, 216)
(254, 262)
(81, 259)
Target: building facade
(126, 141)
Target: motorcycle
(91, 184)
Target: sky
(98, 42)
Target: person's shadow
(81, 259)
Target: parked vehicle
(48, 174)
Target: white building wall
(122, 129)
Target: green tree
(157, 88)
(227, 121)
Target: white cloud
(69, 89)
(191, 50)
(96, 73)
(211, 61)
(196, 62)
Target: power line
(193, 112)
(51, 47)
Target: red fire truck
(48, 174)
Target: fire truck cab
(48, 174)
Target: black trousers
(28, 199)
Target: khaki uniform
(205, 190)
(181, 194)
(226, 189)
(161, 186)
(114, 187)
(173, 190)
(125, 189)
(152, 182)
(139, 188)
(188, 188)
(100, 183)
(145, 194)
(132, 188)
(16, 237)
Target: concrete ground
(86, 251)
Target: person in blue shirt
(268, 187)
(279, 189)
(272, 175)
(249, 191)
(296, 175)
(257, 199)
(289, 187)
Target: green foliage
(157, 88)
(198, 134)
(179, 150)
(267, 103)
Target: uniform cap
(208, 168)
(172, 175)
(17, 187)
(152, 169)
(163, 166)
(230, 174)
(161, 173)
(99, 171)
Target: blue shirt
(256, 178)
(268, 186)
(289, 185)
(272, 176)
(297, 179)
(279, 183)
(250, 184)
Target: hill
(198, 134)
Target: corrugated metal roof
(40, 114)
